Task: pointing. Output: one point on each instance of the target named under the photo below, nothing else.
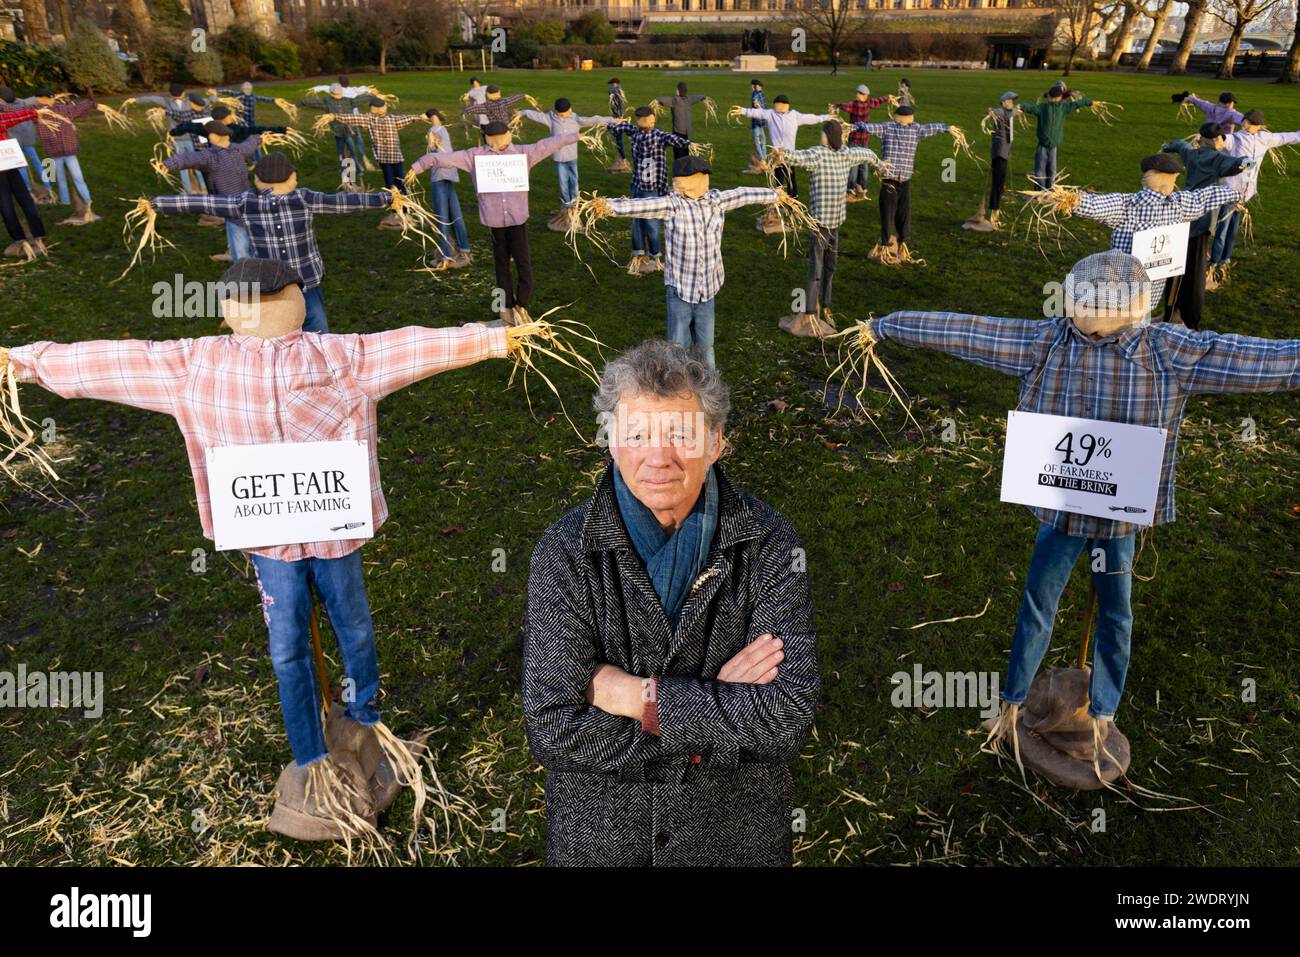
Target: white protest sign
(289, 493)
(1105, 469)
(1162, 249)
(501, 172)
(11, 155)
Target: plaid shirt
(649, 166)
(1141, 375)
(383, 130)
(757, 101)
(243, 390)
(784, 126)
(860, 112)
(898, 144)
(24, 131)
(693, 234)
(226, 168)
(617, 101)
(11, 118)
(828, 172)
(280, 227)
(247, 104)
(60, 139)
(493, 111)
(178, 111)
(339, 106)
(1128, 213)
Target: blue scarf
(673, 561)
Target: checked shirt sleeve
(644, 207)
(134, 372)
(927, 130)
(561, 654)
(746, 196)
(383, 362)
(804, 159)
(1194, 203)
(1108, 208)
(344, 202)
(1009, 346)
(727, 719)
(1207, 362)
(194, 159)
(861, 154)
(224, 206)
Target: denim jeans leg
(1112, 640)
(61, 178)
(1225, 235)
(315, 321)
(679, 318)
(286, 608)
(458, 221)
(568, 174)
(651, 231)
(442, 212)
(702, 330)
(1049, 570)
(78, 181)
(342, 589)
(34, 161)
(238, 241)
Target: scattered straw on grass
(1105, 111)
(144, 217)
(857, 356)
(289, 108)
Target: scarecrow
(1102, 361)
(757, 129)
(1223, 112)
(617, 107)
(247, 100)
(179, 107)
(475, 96)
(446, 203)
(504, 213)
(560, 120)
(280, 220)
(680, 105)
(1207, 164)
(693, 217)
(904, 94)
(25, 134)
(1252, 142)
(347, 139)
(496, 108)
(1000, 123)
(59, 142)
(782, 125)
(225, 166)
(649, 178)
(13, 189)
(859, 110)
(238, 131)
(383, 128)
(898, 142)
(1058, 103)
(828, 165)
(1158, 203)
(270, 382)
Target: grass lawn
(899, 530)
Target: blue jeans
(315, 321)
(33, 160)
(446, 207)
(645, 232)
(393, 173)
(66, 167)
(286, 589)
(238, 240)
(1049, 571)
(618, 141)
(345, 145)
(857, 177)
(691, 324)
(759, 135)
(1225, 235)
(1045, 166)
(568, 173)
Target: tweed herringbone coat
(714, 787)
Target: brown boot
(210, 221)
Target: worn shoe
(328, 800)
(1211, 279)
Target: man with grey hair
(670, 662)
(1102, 360)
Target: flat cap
(220, 111)
(1226, 97)
(643, 111)
(378, 101)
(690, 165)
(495, 128)
(216, 128)
(782, 98)
(1254, 117)
(1009, 95)
(905, 110)
(493, 88)
(1112, 278)
(562, 105)
(274, 168)
(1162, 163)
(863, 89)
(265, 276)
(1211, 131)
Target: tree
(65, 19)
(1291, 69)
(549, 31)
(476, 13)
(593, 28)
(388, 21)
(831, 22)
(36, 24)
(1191, 28)
(1159, 15)
(1077, 28)
(92, 64)
(205, 67)
(1237, 14)
(1129, 11)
